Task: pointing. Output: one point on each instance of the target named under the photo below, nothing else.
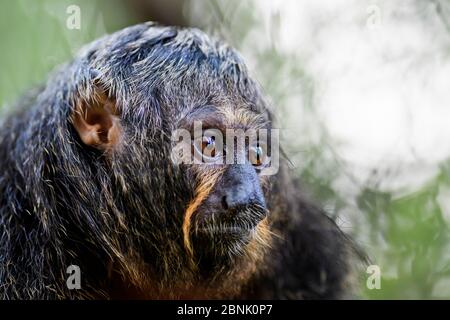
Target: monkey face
(227, 214)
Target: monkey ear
(97, 122)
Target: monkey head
(206, 219)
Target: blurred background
(361, 89)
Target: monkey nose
(237, 197)
(240, 187)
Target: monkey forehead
(223, 117)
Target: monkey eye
(207, 149)
(258, 155)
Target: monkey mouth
(226, 230)
(231, 224)
(221, 238)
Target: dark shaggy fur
(119, 216)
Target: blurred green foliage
(405, 234)
(34, 37)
